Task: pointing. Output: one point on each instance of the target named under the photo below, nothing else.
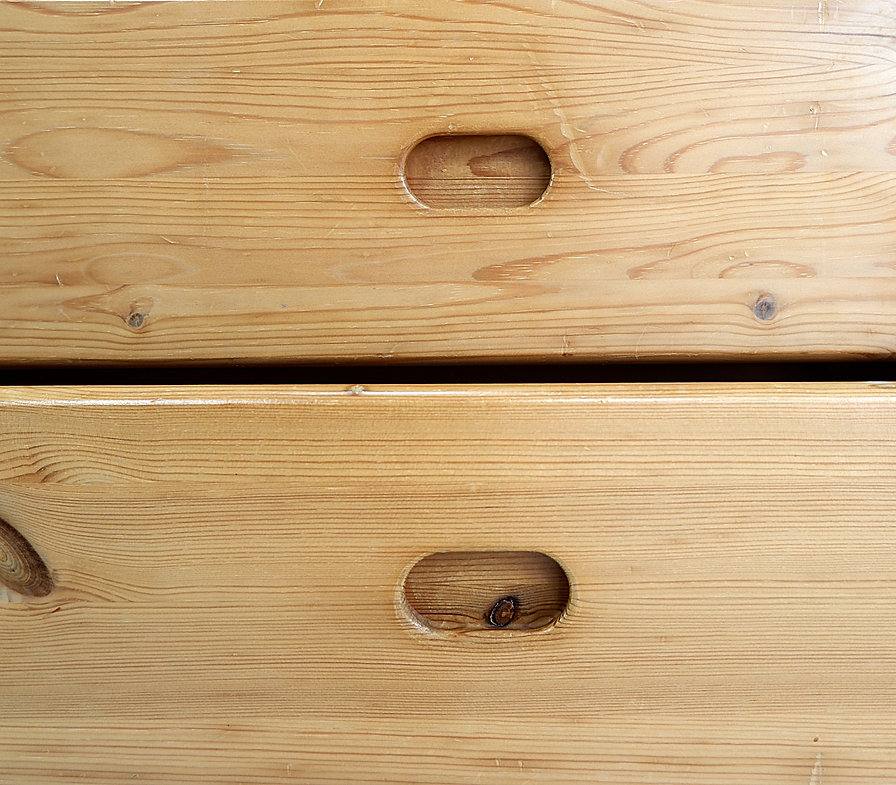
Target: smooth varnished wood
(229, 563)
(219, 181)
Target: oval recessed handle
(21, 569)
(464, 591)
(477, 171)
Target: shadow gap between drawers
(457, 374)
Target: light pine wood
(228, 564)
(216, 181)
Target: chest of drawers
(445, 583)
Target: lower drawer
(626, 584)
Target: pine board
(222, 181)
(228, 562)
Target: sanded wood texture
(228, 564)
(217, 181)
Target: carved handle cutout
(462, 591)
(462, 172)
(21, 569)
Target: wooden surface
(228, 566)
(217, 181)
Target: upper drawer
(231, 180)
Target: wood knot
(765, 308)
(138, 312)
(135, 319)
(21, 569)
(503, 612)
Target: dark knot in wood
(503, 612)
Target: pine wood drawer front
(227, 564)
(210, 181)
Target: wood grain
(228, 566)
(220, 181)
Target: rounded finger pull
(477, 171)
(465, 591)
